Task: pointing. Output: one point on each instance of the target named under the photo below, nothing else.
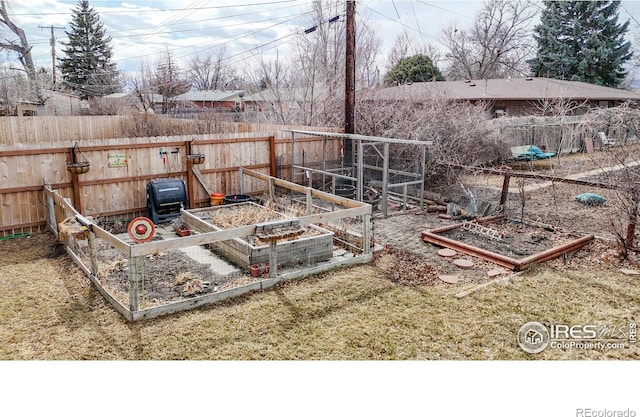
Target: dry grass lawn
(49, 311)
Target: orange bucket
(217, 199)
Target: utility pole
(52, 41)
(350, 81)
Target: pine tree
(581, 41)
(86, 67)
(417, 68)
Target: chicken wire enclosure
(226, 252)
(381, 170)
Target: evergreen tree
(86, 67)
(581, 41)
(417, 68)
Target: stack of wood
(71, 227)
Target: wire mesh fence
(210, 254)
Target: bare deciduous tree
(169, 81)
(309, 88)
(20, 46)
(460, 133)
(142, 89)
(209, 72)
(618, 166)
(498, 43)
(276, 93)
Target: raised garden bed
(512, 244)
(314, 245)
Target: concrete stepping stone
(449, 279)
(497, 272)
(447, 253)
(463, 263)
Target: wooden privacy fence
(120, 169)
(57, 129)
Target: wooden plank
(486, 284)
(201, 180)
(117, 305)
(325, 266)
(193, 240)
(303, 190)
(121, 245)
(195, 302)
(272, 156)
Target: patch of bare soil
(169, 276)
(511, 238)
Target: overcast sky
(143, 30)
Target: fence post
(191, 198)
(505, 186)
(272, 156)
(272, 190)
(50, 213)
(366, 234)
(309, 200)
(93, 253)
(385, 178)
(136, 276)
(360, 172)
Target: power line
(53, 49)
(129, 11)
(190, 22)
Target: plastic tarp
(591, 199)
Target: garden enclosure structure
(377, 163)
(170, 274)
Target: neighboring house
(513, 97)
(54, 103)
(209, 99)
(285, 100)
(57, 103)
(125, 103)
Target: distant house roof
(209, 95)
(117, 95)
(293, 94)
(506, 89)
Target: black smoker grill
(165, 197)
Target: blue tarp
(534, 153)
(591, 199)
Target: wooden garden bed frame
(59, 208)
(434, 236)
